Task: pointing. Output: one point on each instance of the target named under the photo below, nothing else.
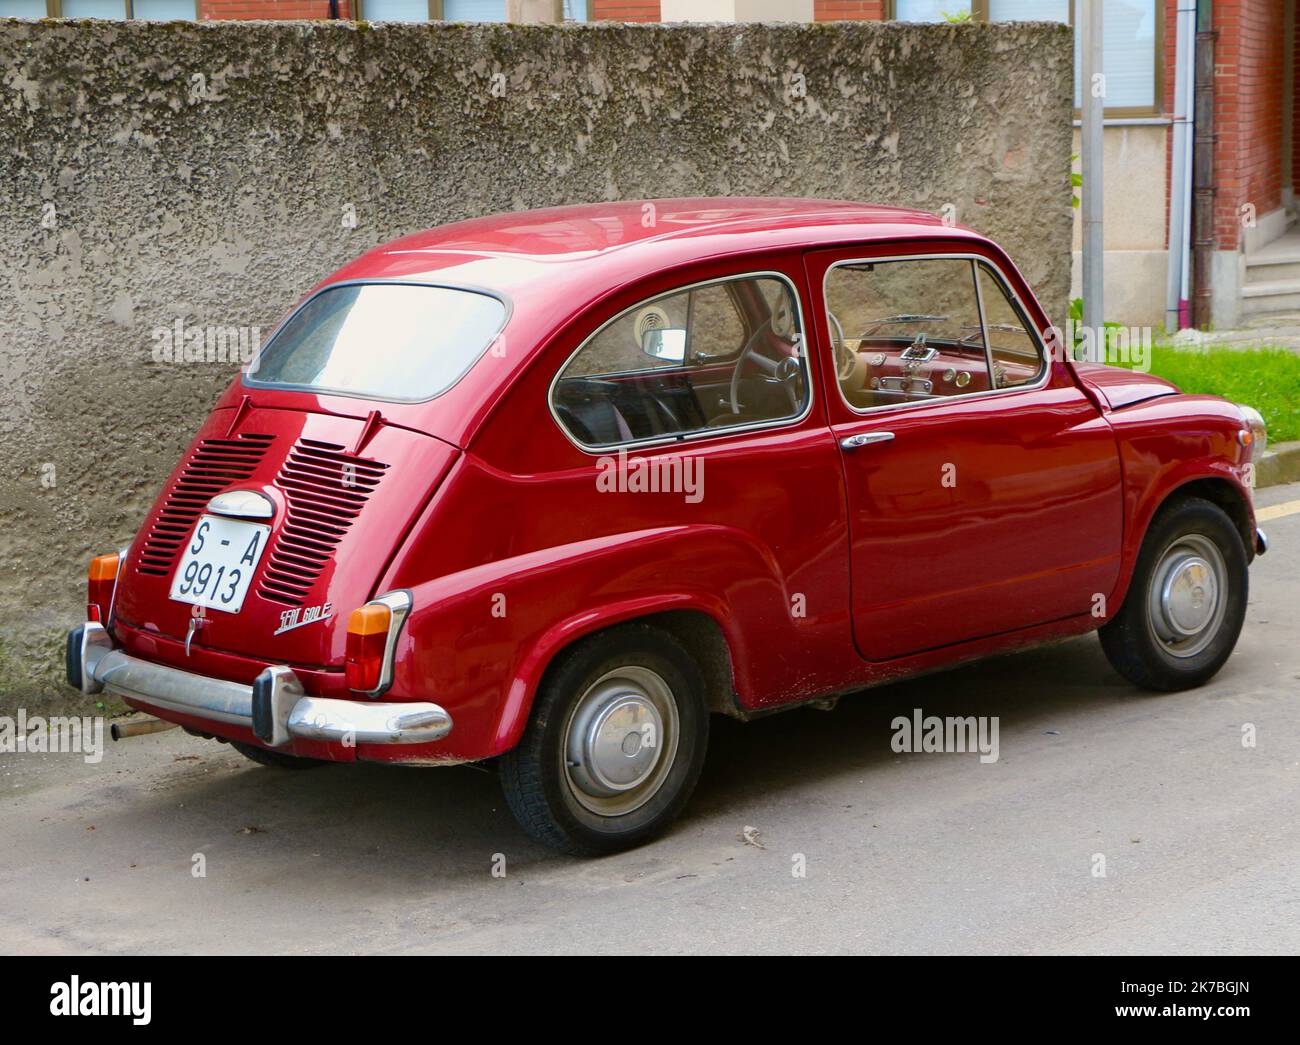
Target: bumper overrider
(274, 707)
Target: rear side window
(718, 355)
(394, 341)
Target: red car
(551, 488)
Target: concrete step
(1275, 262)
(1272, 271)
(1274, 296)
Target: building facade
(1242, 237)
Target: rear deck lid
(336, 494)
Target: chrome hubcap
(1188, 595)
(620, 741)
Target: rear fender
(479, 641)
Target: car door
(983, 487)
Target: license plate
(219, 562)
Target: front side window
(918, 329)
(396, 341)
(705, 358)
(1012, 348)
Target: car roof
(552, 265)
(598, 246)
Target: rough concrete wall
(205, 173)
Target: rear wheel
(614, 746)
(1186, 603)
(275, 759)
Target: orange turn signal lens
(104, 567)
(367, 640)
(102, 579)
(370, 619)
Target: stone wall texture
(211, 173)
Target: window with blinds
(931, 10)
(114, 10)
(397, 10)
(1130, 44)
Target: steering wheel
(786, 371)
(845, 359)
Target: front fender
(1167, 444)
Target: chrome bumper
(1261, 541)
(274, 707)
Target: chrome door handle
(864, 438)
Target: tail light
(100, 587)
(372, 641)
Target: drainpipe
(1203, 170)
(1180, 189)
(1090, 153)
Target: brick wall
(625, 10)
(270, 9)
(846, 10)
(823, 10)
(1247, 112)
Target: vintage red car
(551, 488)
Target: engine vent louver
(215, 465)
(325, 489)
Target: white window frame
(678, 438)
(1044, 357)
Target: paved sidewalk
(903, 853)
(1281, 330)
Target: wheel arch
(1219, 491)
(701, 632)
(1220, 487)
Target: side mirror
(663, 343)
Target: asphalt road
(915, 853)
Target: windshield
(397, 341)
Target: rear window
(399, 341)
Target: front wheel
(1186, 602)
(614, 746)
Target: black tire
(1132, 639)
(552, 795)
(275, 759)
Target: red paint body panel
(413, 465)
(1166, 443)
(1118, 387)
(966, 524)
(824, 571)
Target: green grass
(1266, 378)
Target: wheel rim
(620, 741)
(1188, 595)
